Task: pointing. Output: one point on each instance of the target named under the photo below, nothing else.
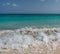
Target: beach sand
(39, 49)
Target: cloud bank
(10, 4)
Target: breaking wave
(21, 38)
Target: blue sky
(29, 6)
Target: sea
(16, 21)
(17, 31)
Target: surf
(22, 38)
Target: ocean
(18, 31)
(16, 21)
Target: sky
(29, 6)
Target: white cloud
(42, 0)
(3, 4)
(15, 5)
(7, 3)
(10, 4)
(57, 0)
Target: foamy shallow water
(22, 38)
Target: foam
(21, 38)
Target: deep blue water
(16, 21)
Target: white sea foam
(21, 38)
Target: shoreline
(30, 41)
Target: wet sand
(39, 49)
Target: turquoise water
(29, 20)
